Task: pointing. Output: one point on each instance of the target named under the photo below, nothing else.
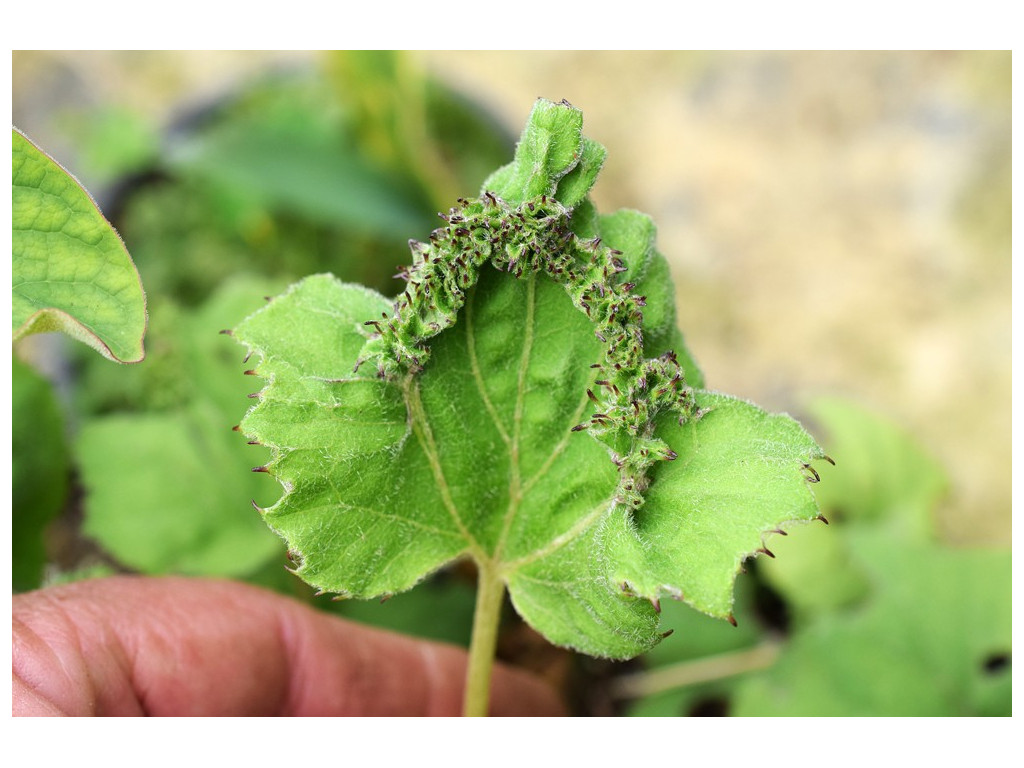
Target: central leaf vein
(515, 491)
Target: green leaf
(299, 170)
(39, 471)
(814, 570)
(168, 490)
(70, 270)
(935, 641)
(884, 476)
(551, 146)
(738, 477)
(884, 479)
(503, 408)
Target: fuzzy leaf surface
(70, 270)
(476, 457)
(512, 406)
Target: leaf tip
(822, 518)
(732, 620)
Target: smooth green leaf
(71, 272)
(39, 469)
(503, 408)
(168, 490)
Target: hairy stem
(486, 618)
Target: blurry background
(838, 224)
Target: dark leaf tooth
(809, 468)
(822, 518)
(829, 459)
(249, 372)
(236, 428)
(227, 332)
(579, 427)
(256, 506)
(260, 469)
(253, 442)
(253, 395)
(666, 633)
(731, 619)
(766, 551)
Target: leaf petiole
(490, 593)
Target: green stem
(641, 684)
(490, 592)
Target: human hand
(135, 645)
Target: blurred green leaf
(114, 141)
(882, 474)
(813, 570)
(883, 479)
(70, 270)
(40, 468)
(933, 641)
(169, 490)
(414, 126)
(312, 174)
